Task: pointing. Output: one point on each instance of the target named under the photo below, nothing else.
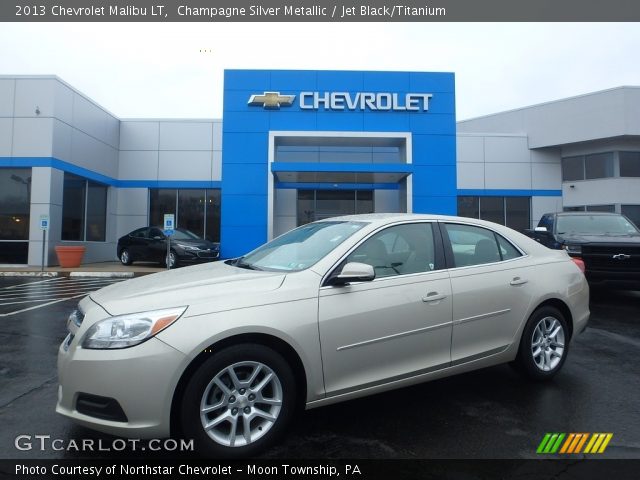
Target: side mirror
(541, 229)
(354, 272)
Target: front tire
(544, 344)
(172, 260)
(239, 402)
(125, 257)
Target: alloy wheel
(548, 343)
(241, 404)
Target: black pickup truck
(607, 243)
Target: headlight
(128, 330)
(573, 249)
(186, 247)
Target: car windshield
(299, 248)
(596, 225)
(183, 234)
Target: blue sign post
(44, 226)
(169, 226)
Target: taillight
(579, 262)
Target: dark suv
(607, 243)
(150, 244)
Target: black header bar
(319, 11)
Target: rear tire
(544, 345)
(240, 401)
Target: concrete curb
(75, 274)
(29, 274)
(103, 274)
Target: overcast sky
(157, 70)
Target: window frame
(450, 258)
(438, 248)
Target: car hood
(217, 283)
(601, 239)
(204, 244)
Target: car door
(491, 289)
(136, 243)
(156, 245)
(395, 326)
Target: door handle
(433, 297)
(518, 281)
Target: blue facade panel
(246, 128)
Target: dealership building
(298, 146)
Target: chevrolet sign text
(414, 102)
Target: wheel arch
(277, 344)
(562, 307)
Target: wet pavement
(491, 413)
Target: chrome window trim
(523, 254)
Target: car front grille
(601, 258)
(207, 254)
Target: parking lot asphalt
(491, 413)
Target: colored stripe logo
(574, 443)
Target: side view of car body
(150, 244)
(331, 311)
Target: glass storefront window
(572, 169)
(212, 215)
(96, 212)
(468, 207)
(601, 208)
(84, 210)
(191, 210)
(599, 165)
(514, 212)
(630, 164)
(161, 201)
(197, 210)
(73, 202)
(15, 200)
(517, 211)
(492, 209)
(15, 205)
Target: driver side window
(398, 250)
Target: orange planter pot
(69, 256)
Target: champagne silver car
(226, 353)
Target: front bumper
(194, 257)
(614, 279)
(141, 379)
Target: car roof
(387, 218)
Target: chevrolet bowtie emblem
(621, 256)
(271, 100)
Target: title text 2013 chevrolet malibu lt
(330, 311)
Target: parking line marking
(40, 306)
(25, 285)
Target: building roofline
(573, 97)
(185, 120)
(66, 84)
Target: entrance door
(320, 204)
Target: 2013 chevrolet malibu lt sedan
(225, 353)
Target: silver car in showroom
(225, 353)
